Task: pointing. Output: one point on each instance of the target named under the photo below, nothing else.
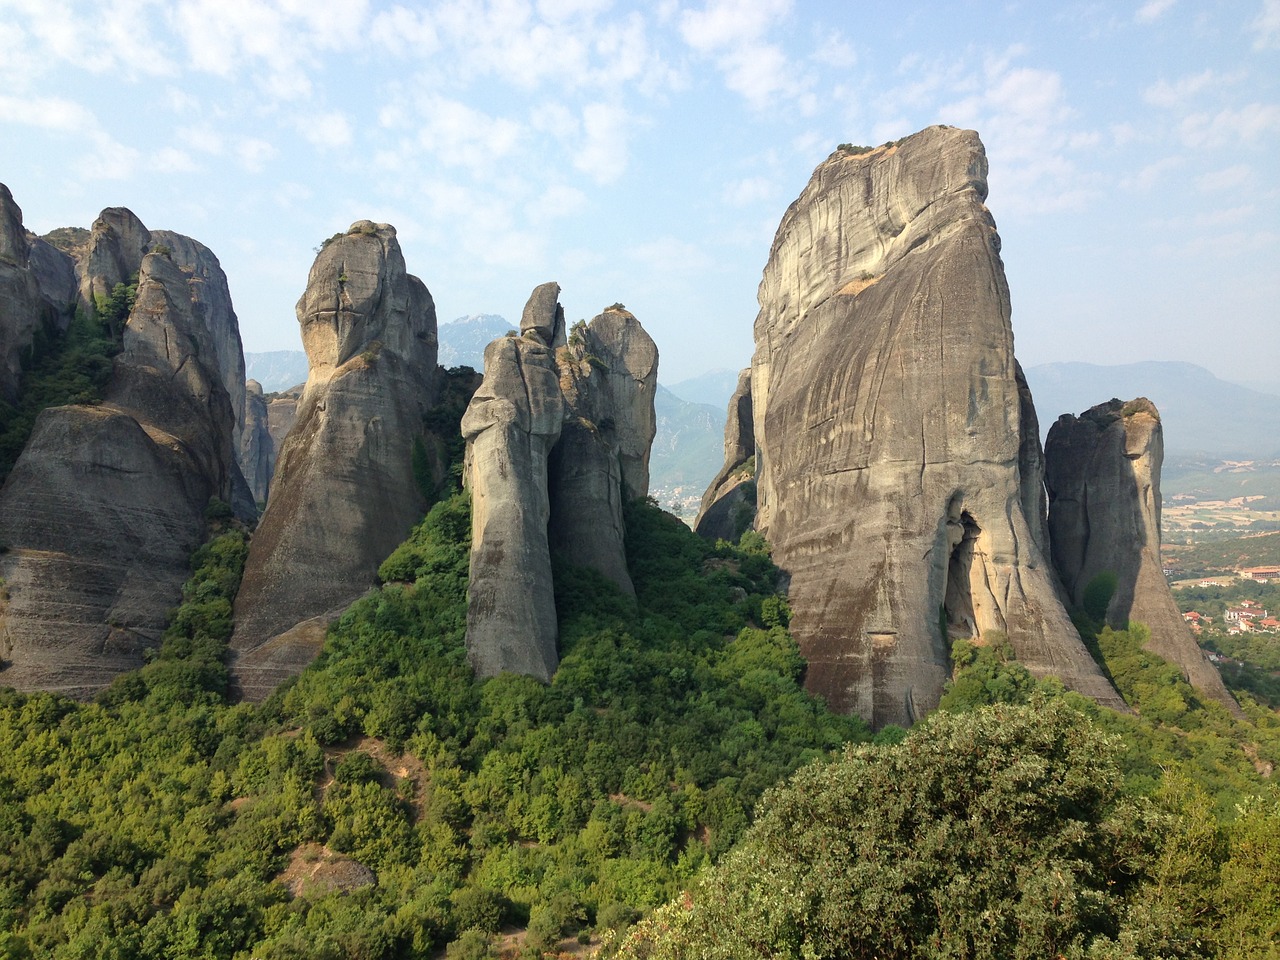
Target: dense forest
(386, 804)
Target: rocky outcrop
(896, 460)
(344, 492)
(729, 504)
(510, 426)
(557, 440)
(1103, 479)
(257, 448)
(608, 375)
(33, 293)
(106, 503)
(118, 242)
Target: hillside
(1200, 412)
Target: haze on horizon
(646, 153)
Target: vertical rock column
(1103, 478)
(513, 421)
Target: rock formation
(33, 292)
(896, 461)
(729, 504)
(1103, 478)
(106, 503)
(257, 448)
(344, 492)
(557, 439)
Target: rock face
(557, 439)
(729, 503)
(344, 493)
(33, 292)
(1103, 478)
(257, 448)
(896, 461)
(106, 503)
(118, 242)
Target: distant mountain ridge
(1200, 412)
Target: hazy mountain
(689, 445)
(714, 387)
(1201, 413)
(276, 370)
(462, 341)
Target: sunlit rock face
(558, 438)
(898, 465)
(344, 492)
(107, 502)
(1103, 479)
(728, 504)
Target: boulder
(343, 494)
(896, 460)
(1103, 479)
(106, 503)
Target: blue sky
(645, 153)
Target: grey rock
(1103, 479)
(118, 242)
(608, 375)
(543, 315)
(257, 449)
(511, 424)
(106, 503)
(890, 434)
(343, 494)
(728, 506)
(30, 298)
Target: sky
(644, 153)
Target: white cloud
(556, 201)
(724, 24)
(109, 160)
(463, 136)
(48, 113)
(1162, 93)
(327, 131)
(733, 33)
(1153, 10)
(1230, 126)
(403, 31)
(202, 138)
(749, 190)
(1152, 174)
(670, 255)
(254, 154)
(1267, 26)
(172, 160)
(603, 154)
(1228, 178)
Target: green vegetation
(1208, 558)
(59, 370)
(1255, 669)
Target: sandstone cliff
(729, 504)
(896, 463)
(1103, 478)
(34, 292)
(557, 440)
(257, 453)
(344, 492)
(106, 503)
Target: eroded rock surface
(257, 448)
(343, 493)
(106, 503)
(895, 460)
(33, 292)
(557, 441)
(1103, 479)
(728, 505)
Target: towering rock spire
(557, 440)
(344, 492)
(1103, 477)
(896, 462)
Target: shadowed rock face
(106, 503)
(729, 501)
(34, 291)
(343, 494)
(257, 448)
(556, 441)
(1103, 478)
(896, 460)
